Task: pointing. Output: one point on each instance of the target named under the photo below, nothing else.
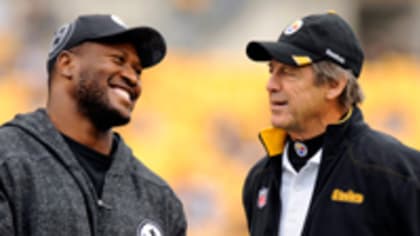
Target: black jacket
(368, 184)
(44, 190)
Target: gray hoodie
(44, 190)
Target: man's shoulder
(259, 166)
(6, 132)
(141, 171)
(376, 150)
(10, 139)
(259, 170)
(383, 144)
(13, 131)
(15, 126)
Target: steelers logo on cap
(118, 20)
(60, 39)
(293, 28)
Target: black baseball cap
(313, 38)
(149, 43)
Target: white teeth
(122, 93)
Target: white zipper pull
(102, 204)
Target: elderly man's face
(296, 103)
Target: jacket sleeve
(249, 193)
(246, 200)
(6, 215)
(409, 209)
(178, 222)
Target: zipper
(102, 204)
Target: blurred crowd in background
(198, 119)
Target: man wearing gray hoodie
(63, 171)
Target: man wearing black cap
(326, 172)
(63, 171)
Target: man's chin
(277, 123)
(122, 121)
(111, 119)
(119, 116)
(119, 119)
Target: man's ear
(66, 64)
(335, 88)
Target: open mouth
(122, 93)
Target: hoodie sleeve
(178, 223)
(6, 215)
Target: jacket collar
(274, 139)
(38, 125)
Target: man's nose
(130, 76)
(273, 84)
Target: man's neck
(318, 127)
(81, 129)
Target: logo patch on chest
(348, 196)
(262, 197)
(149, 228)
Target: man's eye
(118, 59)
(286, 70)
(138, 72)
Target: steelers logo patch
(301, 149)
(149, 228)
(294, 27)
(60, 39)
(118, 20)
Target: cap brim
(149, 43)
(279, 51)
